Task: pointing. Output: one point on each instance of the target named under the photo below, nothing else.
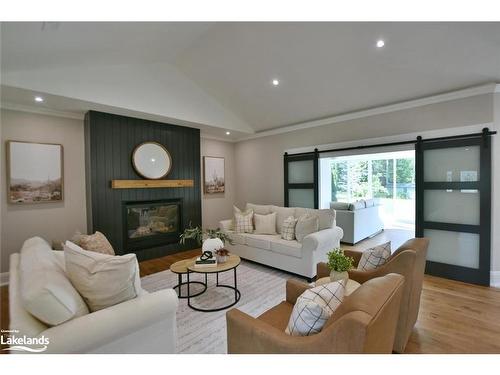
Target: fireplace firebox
(152, 223)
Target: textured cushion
(265, 224)
(285, 247)
(343, 206)
(96, 242)
(46, 291)
(102, 280)
(243, 222)
(306, 224)
(261, 209)
(374, 257)
(281, 214)
(288, 228)
(260, 241)
(314, 307)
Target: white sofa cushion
(261, 209)
(288, 228)
(306, 224)
(103, 280)
(281, 214)
(265, 224)
(238, 238)
(46, 291)
(343, 206)
(285, 247)
(314, 307)
(326, 216)
(260, 241)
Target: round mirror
(151, 160)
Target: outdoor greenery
(354, 175)
(198, 234)
(338, 261)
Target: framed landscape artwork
(34, 172)
(213, 175)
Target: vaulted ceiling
(218, 76)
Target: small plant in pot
(210, 239)
(222, 255)
(339, 264)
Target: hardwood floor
(454, 317)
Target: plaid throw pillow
(314, 307)
(374, 257)
(288, 228)
(243, 222)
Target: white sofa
(145, 324)
(292, 256)
(359, 220)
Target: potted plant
(339, 264)
(210, 239)
(222, 255)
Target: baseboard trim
(495, 279)
(4, 278)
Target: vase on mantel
(336, 276)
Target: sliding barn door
(454, 206)
(301, 180)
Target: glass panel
(460, 249)
(452, 206)
(339, 181)
(383, 178)
(301, 198)
(301, 172)
(456, 164)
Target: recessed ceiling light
(38, 99)
(227, 133)
(276, 82)
(380, 43)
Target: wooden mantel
(146, 184)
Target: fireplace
(152, 223)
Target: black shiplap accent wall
(109, 142)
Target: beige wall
(259, 174)
(49, 220)
(216, 207)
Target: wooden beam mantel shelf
(147, 184)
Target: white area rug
(205, 332)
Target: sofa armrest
(89, 332)
(294, 289)
(226, 225)
(322, 270)
(323, 240)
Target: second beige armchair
(408, 260)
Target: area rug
(205, 332)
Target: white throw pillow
(288, 228)
(281, 214)
(314, 307)
(326, 218)
(46, 291)
(243, 222)
(265, 224)
(374, 257)
(102, 280)
(306, 224)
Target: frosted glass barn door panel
(301, 172)
(455, 248)
(301, 198)
(455, 164)
(452, 206)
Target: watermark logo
(23, 343)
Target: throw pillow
(46, 292)
(314, 307)
(281, 214)
(243, 222)
(306, 224)
(374, 257)
(96, 242)
(288, 228)
(265, 224)
(102, 280)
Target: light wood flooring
(454, 317)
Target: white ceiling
(223, 71)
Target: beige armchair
(408, 260)
(365, 322)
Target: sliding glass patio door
(453, 206)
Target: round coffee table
(232, 263)
(180, 268)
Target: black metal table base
(178, 287)
(237, 293)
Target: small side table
(180, 268)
